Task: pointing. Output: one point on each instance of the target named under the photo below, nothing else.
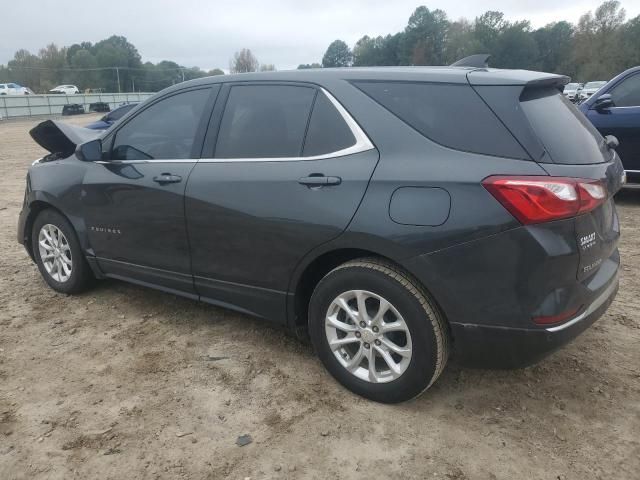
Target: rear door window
(566, 133)
(449, 114)
(264, 121)
(328, 132)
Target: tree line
(112, 64)
(601, 45)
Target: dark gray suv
(398, 216)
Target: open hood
(61, 138)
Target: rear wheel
(376, 331)
(58, 254)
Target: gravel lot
(126, 382)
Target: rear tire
(58, 255)
(401, 330)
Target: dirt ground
(126, 382)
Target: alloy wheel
(55, 253)
(368, 336)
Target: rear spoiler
(523, 78)
(62, 138)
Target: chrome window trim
(362, 144)
(597, 303)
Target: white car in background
(14, 89)
(572, 90)
(65, 89)
(590, 88)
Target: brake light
(544, 199)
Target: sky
(282, 32)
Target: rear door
(566, 144)
(286, 171)
(574, 148)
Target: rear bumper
(483, 346)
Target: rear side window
(451, 115)
(264, 121)
(328, 132)
(165, 130)
(566, 133)
(627, 93)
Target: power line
(92, 69)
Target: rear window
(566, 133)
(451, 115)
(327, 132)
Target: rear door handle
(167, 178)
(319, 181)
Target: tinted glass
(165, 130)
(328, 132)
(264, 121)
(627, 93)
(118, 113)
(567, 134)
(451, 115)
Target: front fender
(55, 185)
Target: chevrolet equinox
(397, 216)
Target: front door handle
(165, 178)
(319, 181)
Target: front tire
(58, 254)
(376, 330)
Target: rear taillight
(544, 199)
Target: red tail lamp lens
(544, 199)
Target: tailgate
(565, 144)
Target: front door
(623, 121)
(133, 201)
(289, 170)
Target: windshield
(572, 86)
(594, 84)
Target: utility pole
(133, 85)
(182, 72)
(118, 75)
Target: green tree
(425, 37)
(25, 70)
(515, 47)
(120, 59)
(461, 41)
(487, 30)
(84, 74)
(555, 44)
(337, 55)
(597, 43)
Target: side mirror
(603, 102)
(90, 151)
(612, 142)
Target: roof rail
(480, 60)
